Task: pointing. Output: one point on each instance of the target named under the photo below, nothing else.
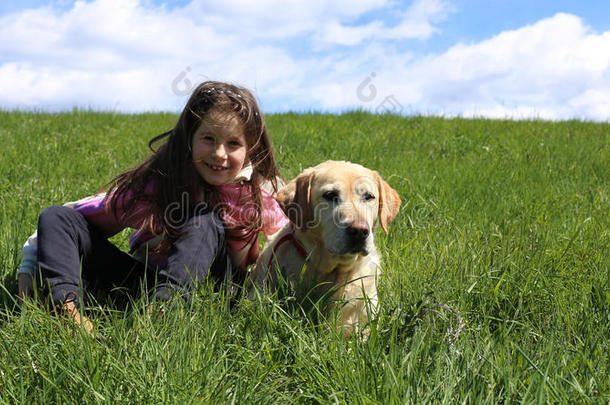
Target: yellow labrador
(334, 208)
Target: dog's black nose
(358, 231)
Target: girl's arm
(29, 255)
(27, 268)
(274, 218)
(97, 212)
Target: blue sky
(499, 59)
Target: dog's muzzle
(356, 236)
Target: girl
(197, 205)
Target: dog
(329, 246)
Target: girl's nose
(220, 150)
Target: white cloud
(557, 68)
(96, 45)
(416, 22)
(129, 56)
(539, 68)
(105, 34)
(53, 88)
(277, 18)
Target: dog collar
(289, 237)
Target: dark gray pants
(72, 254)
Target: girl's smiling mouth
(216, 168)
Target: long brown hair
(170, 168)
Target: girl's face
(219, 149)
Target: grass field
(495, 286)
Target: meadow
(495, 282)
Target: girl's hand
(72, 312)
(156, 309)
(26, 286)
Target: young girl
(197, 205)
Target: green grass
(495, 286)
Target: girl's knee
(59, 216)
(205, 223)
(52, 213)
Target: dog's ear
(295, 200)
(389, 202)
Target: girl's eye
(331, 196)
(368, 197)
(235, 144)
(207, 138)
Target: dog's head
(340, 203)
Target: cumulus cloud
(538, 70)
(130, 56)
(276, 19)
(416, 22)
(555, 69)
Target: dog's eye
(368, 197)
(331, 196)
